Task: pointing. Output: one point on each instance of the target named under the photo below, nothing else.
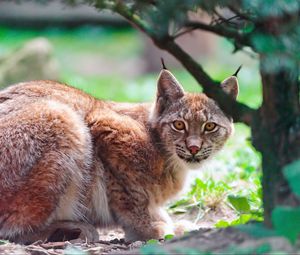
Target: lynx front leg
(146, 225)
(132, 210)
(141, 225)
(130, 163)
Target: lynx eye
(210, 126)
(179, 125)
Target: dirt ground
(216, 241)
(207, 238)
(111, 241)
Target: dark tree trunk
(276, 134)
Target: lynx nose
(194, 149)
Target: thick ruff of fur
(66, 156)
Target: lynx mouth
(193, 159)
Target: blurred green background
(75, 49)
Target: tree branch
(244, 16)
(220, 30)
(224, 20)
(239, 111)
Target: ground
(111, 240)
(253, 239)
(204, 241)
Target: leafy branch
(220, 30)
(239, 111)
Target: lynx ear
(231, 86)
(168, 87)
(168, 90)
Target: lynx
(68, 157)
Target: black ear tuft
(163, 64)
(237, 71)
(231, 85)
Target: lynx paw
(156, 230)
(161, 229)
(183, 226)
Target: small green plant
(292, 174)
(286, 220)
(3, 242)
(169, 237)
(152, 241)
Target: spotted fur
(67, 156)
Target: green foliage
(241, 204)
(278, 51)
(208, 193)
(242, 219)
(169, 237)
(273, 8)
(152, 241)
(286, 221)
(3, 242)
(292, 174)
(279, 39)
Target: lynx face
(192, 126)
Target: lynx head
(191, 126)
